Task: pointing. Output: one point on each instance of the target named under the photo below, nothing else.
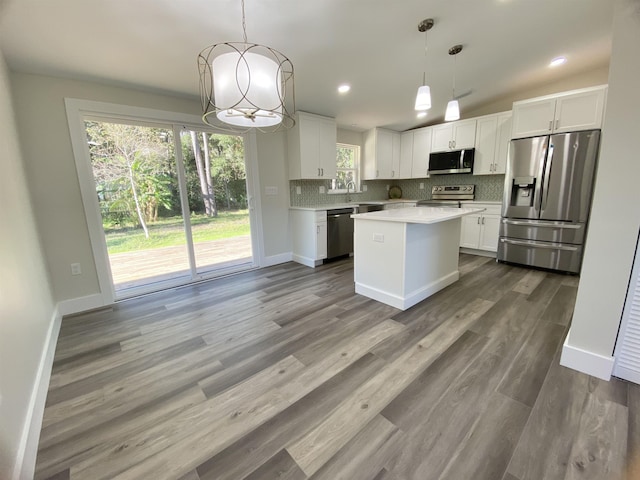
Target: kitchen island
(405, 255)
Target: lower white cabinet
(401, 204)
(309, 235)
(480, 231)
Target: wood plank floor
(286, 373)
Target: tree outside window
(348, 167)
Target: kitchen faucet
(350, 184)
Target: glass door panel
(216, 183)
(136, 180)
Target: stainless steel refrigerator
(547, 197)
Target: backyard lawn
(168, 232)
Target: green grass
(169, 232)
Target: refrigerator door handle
(552, 246)
(536, 224)
(547, 177)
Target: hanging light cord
(424, 72)
(244, 23)
(453, 85)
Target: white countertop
(331, 206)
(425, 215)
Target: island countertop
(423, 215)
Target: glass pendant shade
(423, 98)
(247, 89)
(452, 112)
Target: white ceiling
(372, 44)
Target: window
(348, 166)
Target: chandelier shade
(423, 97)
(246, 86)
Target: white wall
(26, 304)
(54, 186)
(615, 215)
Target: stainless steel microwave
(457, 161)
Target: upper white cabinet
(414, 153)
(381, 154)
(312, 147)
(454, 136)
(493, 134)
(564, 112)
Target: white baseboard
(408, 301)
(81, 304)
(277, 259)
(309, 262)
(587, 362)
(26, 457)
(482, 253)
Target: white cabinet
(565, 112)
(414, 153)
(312, 147)
(480, 231)
(454, 136)
(493, 134)
(381, 154)
(309, 235)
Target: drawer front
(566, 258)
(558, 232)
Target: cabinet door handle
(322, 170)
(557, 123)
(377, 173)
(393, 173)
(318, 229)
(550, 124)
(483, 220)
(478, 220)
(454, 144)
(318, 172)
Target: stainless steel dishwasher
(339, 232)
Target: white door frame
(78, 110)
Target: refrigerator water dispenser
(522, 191)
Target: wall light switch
(271, 190)
(75, 269)
(421, 186)
(298, 190)
(321, 189)
(378, 237)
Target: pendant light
(423, 98)
(453, 108)
(246, 85)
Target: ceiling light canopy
(246, 85)
(453, 107)
(423, 98)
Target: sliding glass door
(173, 203)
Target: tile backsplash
(488, 188)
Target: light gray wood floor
(286, 373)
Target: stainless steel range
(448, 196)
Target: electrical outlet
(378, 237)
(321, 189)
(364, 188)
(298, 190)
(271, 191)
(75, 269)
(387, 186)
(421, 186)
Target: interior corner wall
(615, 215)
(53, 182)
(27, 307)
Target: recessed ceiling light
(557, 61)
(421, 114)
(344, 88)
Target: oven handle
(544, 225)
(539, 245)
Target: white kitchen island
(405, 255)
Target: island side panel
(379, 253)
(431, 259)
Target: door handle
(535, 224)
(318, 172)
(550, 124)
(478, 220)
(377, 173)
(557, 123)
(318, 229)
(483, 220)
(393, 173)
(540, 245)
(547, 175)
(322, 172)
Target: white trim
(28, 447)
(480, 253)
(403, 303)
(253, 197)
(585, 361)
(277, 259)
(81, 304)
(307, 261)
